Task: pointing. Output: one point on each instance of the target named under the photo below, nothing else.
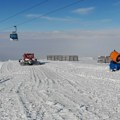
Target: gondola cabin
(14, 36)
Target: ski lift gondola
(14, 35)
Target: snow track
(59, 91)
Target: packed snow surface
(59, 91)
(1, 64)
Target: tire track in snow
(57, 80)
(71, 75)
(27, 102)
(46, 90)
(45, 87)
(60, 92)
(9, 97)
(4, 80)
(57, 77)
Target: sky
(89, 28)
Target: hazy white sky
(83, 43)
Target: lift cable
(45, 14)
(20, 12)
(50, 12)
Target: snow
(59, 90)
(1, 64)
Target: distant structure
(103, 59)
(62, 57)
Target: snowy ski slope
(59, 91)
